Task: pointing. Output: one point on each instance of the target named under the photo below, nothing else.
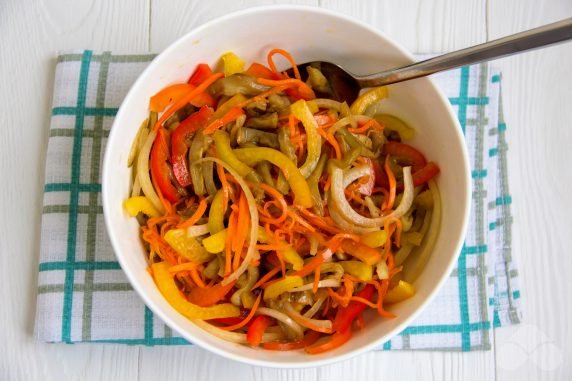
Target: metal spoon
(345, 86)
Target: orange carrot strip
(184, 100)
(332, 140)
(247, 319)
(197, 278)
(232, 115)
(286, 55)
(202, 208)
(392, 185)
(187, 266)
(266, 277)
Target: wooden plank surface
(537, 96)
(537, 89)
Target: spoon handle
(534, 38)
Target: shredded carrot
(232, 115)
(292, 125)
(243, 223)
(182, 267)
(332, 140)
(310, 266)
(307, 324)
(202, 208)
(247, 319)
(316, 280)
(185, 100)
(224, 184)
(266, 277)
(195, 276)
(372, 123)
(286, 55)
(392, 185)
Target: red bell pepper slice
(256, 330)
(260, 71)
(208, 296)
(202, 72)
(381, 179)
(160, 170)
(346, 315)
(334, 341)
(181, 139)
(405, 151)
(173, 93)
(423, 175)
(310, 338)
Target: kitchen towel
(83, 295)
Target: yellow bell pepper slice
(301, 110)
(215, 242)
(186, 246)
(216, 213)
(282, 286)
(399, 293)
(232, 64)
(140, 204)
(393, 123)
(290, 255)
(227, 154)
(297, 182)
(166, 284)
(226, 106)
(358, 269)
(374, 239)
(367, 99)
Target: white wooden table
(538, 110)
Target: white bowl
(309, 34)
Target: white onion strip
(328, 103)
(325, 324)
(355, 173)
(315, 308)
(235, 337)
(143, 172)
(197, 230)
(347, 212)
(280, 316)
(342, 223)
(251, 252)
(321, 284)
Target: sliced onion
(197, 230)
(382, 270)
(143, 172)
(280, 316)
(321, 284)
(415, 263)
(347, 212)
(328, 103)
(342, 123)
(355, 173)
(251, 252)
(314, 243)
(136, 190)
(325, 324)
(373, 210)
(235, 337)
(342, 223)
(315, 308)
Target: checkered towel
(83, 296)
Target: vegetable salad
(274, 215)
